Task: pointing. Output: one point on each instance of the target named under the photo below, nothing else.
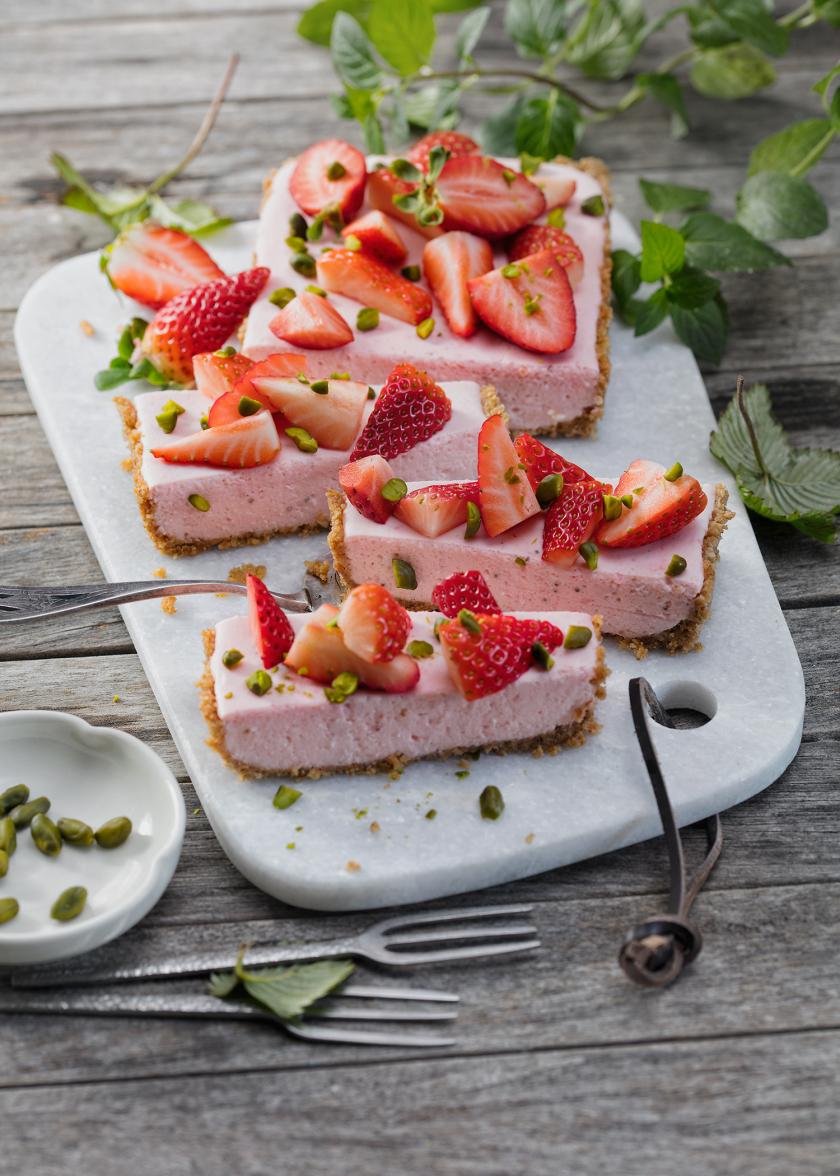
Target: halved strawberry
(529, 302)
(281, 365)
(332, 416)
(310, 321)
(540, 461)
(571, 520)
(319, 652)
(216, 372)
(198, 320)
(536, 238)
(270, 626)
(660, 508)
(228, 407)
(362, 482)
(250, 441)
(329, 174)
(483, 663)
(372, 624)
(557, 191)
(448, 264)
(434, 510)
(361, 277)
(382, 187)
(505, 494)
(464, 590)
(378, 236)
(454, 142)
(152, 264)
(409, 409)
(480, 195)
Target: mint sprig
(285, 992)
(127, 365)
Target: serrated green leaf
(663, 251)
(316, 23)
(734, 71)
(536, 27)
(711, 243)
(702, 328)
(666, 89)
(403, 32)
(288, 992)
(469, 33)
(662, 197)
(222, 983)
(795, 148)
(798, 486)
(497, 135)
(607, 38)
(192, 216)
(626, 276)
(649, 314)
(691, 288)
(352, 54)
(754, 23)
(110, 378)
(775, 207)
(547, 126)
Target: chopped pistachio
(612, 507)
(432, 813)
(297, 244)
(425, 328)
(508, 176)
(521, 561)
(577, 636)
(557, 218)
(286, 796)
(319, 290)
(411, 272)
(302, 378)
(593, 206)
(225, 352)
(247, 406)
(673, 473)
(677, 566)
(303, 264)
(203, 421)
(512, 270)
(322, 387)
(282, 296)
(305, 442)
(510, 476)
(549, 488)
(469, 621)
(419, 649)
(371, 394)
(531, 304)
(541, 656)
(231, 658)
(404, 574)
(437, 625)
(491, 803)
(589, 554)
(367, 319)
(199, 502)
(346, 682)
(297, 224)
(628, 500)
(352, 242)
(167, 418)
(339, 375)
(259, 682)
(473, 521)
(394, 490)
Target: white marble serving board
(580, 803)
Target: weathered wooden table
(562, 1065)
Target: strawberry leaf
(288, 992)
(192, 216)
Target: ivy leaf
(626, 277)
(797, 146)
(691, 288)
(823, 86)
(661, 197)
(663, 251)
(469, 33)
(708, 31)
(666, 89)
(403, 32)
(547, 126)
(316, 23)
(536, 27)
(498, 134)
(192, 216)
(607, 38)
(648, 315)
(773, 206)
(754, 23)
(711, 243)
(288, 992)
(798, 486)
(352, 54)
(702, 328)
(733, 71)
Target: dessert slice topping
(249, 441)
(409, 409)
(363, 482)
(377, 234)
(310, 321)
(270, 626)
(464, 590)
(505, 494)
(536, 238)
(152, 264)
(329, 410)
(485, 653)
(434, 510)
(374, 625)
(216, 372)
(449, 262)
(664, 501)
(571, 521)
(319, 652)
(529, 302)
(328, 176)
(365, 279)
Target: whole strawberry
(409, 409)
(201, 319)
(464, 590)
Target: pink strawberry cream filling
(289, 491)
(539, 391)
(294, 726)
(628, 589)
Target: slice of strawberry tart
(639, 551)
(369, 686)
(446, 259)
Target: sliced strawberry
(201, 319)
(505, 494)
(152, 264)
(409, 409)
(448, 264)
(464, 590)
(319, 652)
(454, 142)
(250, 441)
(434, 510)
(361, 277)
(329, 174)
(540, 461)
(529, 302)
(378, 235)
(484, 663)
(382, 187)
(216, 372)
(310, 321)
(480, 195)
(332, 416)
(228, 407)
(660, 508)
(557, 191)
(373, 625)
(362, 482)
(270, 626)
(571, 520)
(281, 365)
(536, 238)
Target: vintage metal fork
(26, 604)
(404, 941)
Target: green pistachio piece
(45, 834)
(203, 421)
(425, 328)
(469, 621)
(367, 319)
(259, 682)
(305, 442)
(247, 406)
(282, 296)
(557, 218)
(394, 490)
(225, 352)
(411, 272)
(69, 904)
(167, 418)
(593, 206)
(334, 696)
(286, 796)
(199, 502)
(113, 833)
(673, 473)
(531, 304)
(419, 649)
(473, 521)
(510, 476)
(508, 176)
(589, 554)
(319, 290)
(628, 500)
(8, 835)
(512, 270)
(322, 387)
(75, 832)
(302, 378)
(303, 264)
(371, 394)
(346, 682)
(549, 488)
(23, 813)
(231, 658)
(676, 567)
(297, 224)
(352, 242)
(4, 863)
(9, 907)
(491, 803)
(520, 561)
(404, 574)
(612, 507)
(297, 244)
(339, 375)
(541, 656)
(12, 797)
(577, 636)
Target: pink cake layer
(290, 491)
(297, 728)
(539, 391)
(628, 589)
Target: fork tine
(371, 991)
(409, 919)
(336, 1011)
(364, 1037)
(409, 959)
(506, 931)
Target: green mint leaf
(607, 38)
(774, 207)
(373, 135)
(110, 378)
(352, 54)
(661, 197)
(711, 243)
(823, 86)
(708, 31)
(626, 277)
(734, 71)
(794, 149)
(798, 486)
(498, 134)
(403, 31)
(827, 10)
(691, 288)
(548, 126)
(536, 27)
(663, 251)
(288, 992)
(192, 216)
(222, 983)
(702, 328)
(469, 33)
(666, 89)
(434, 106)
(753, 21)
(316, 23)
(648, 315)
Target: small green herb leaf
(691, 288)
(793, 150)
(352, 54)
(711, 243)
(403, 32)
(667, 90)
(469, 33)
(663, 251)
(536, 27)
(661, 197)
(702, 328)
(548, 126)
(289, 992)
(649, 314)
(733, 71)
(222, 983)
(774, 206)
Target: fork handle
(120, 1004)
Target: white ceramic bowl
(91, 773)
